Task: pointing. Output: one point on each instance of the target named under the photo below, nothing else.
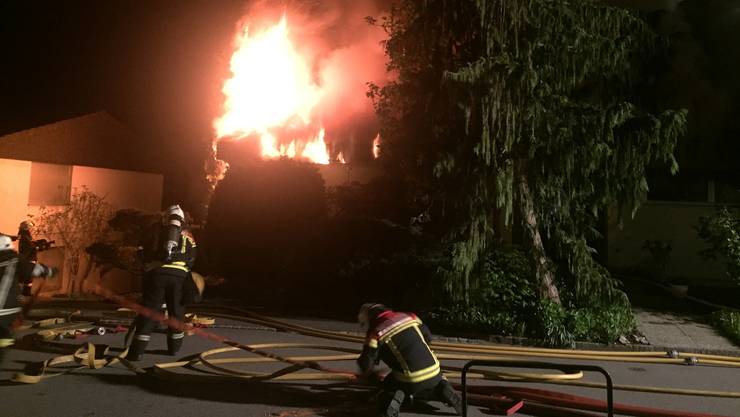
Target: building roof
(95, 139)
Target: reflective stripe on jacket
(399, 340)
(184, 257)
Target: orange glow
(376, 146)
(271, 94)
(315, 150)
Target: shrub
(266, 225)
(506, 303)
(728, 323)
(76, 226)
(602, 324)
(722, 233)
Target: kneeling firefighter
(169, 259)
(401, 340)
(12, 269)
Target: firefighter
(12, 268)
(169, 260)
(401, 340)
(28, 252)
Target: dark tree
(530, 105)
(266, 226)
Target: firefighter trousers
(6, 333)
(160, 287)
(394, 394)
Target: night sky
(155, 65)
(158, 65)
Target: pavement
(671, 320)
(115, 391)
(682, 332)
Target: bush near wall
(506, 303)
(728, 323)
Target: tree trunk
(543, 268)
(69, 283)
(466, 290)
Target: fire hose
(650, 357)
(672, 357)
(91, 356)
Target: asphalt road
(116, 391)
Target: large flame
(272, 95)
(376, 146)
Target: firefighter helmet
(369, 311)
(26, 225)
(6, 243)
(175, 212)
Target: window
(51, 184)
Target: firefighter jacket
(12, 267)
(26, 248)
(182, 258)
(402, 342)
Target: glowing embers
(272, 95)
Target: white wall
(15, 178)
(669, 222)
(121, 189)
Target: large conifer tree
(537, 106)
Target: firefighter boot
(390, 403)
(447, 395)
(137, 348)
(174, 343)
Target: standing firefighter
(27, 252)
(169, 260)
(401, 340)
(12, 267)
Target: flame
(376, 146)
(272, 94)
(316, 150)
(340, 158)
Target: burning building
(295, 90)
(295, 119)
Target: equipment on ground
(502, 399)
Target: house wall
(16, 177)
(668, 222)
(122, 189)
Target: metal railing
(538, 365)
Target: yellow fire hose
(639, 357)
(87, 356)
(210, 368)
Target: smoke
(345, 54)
